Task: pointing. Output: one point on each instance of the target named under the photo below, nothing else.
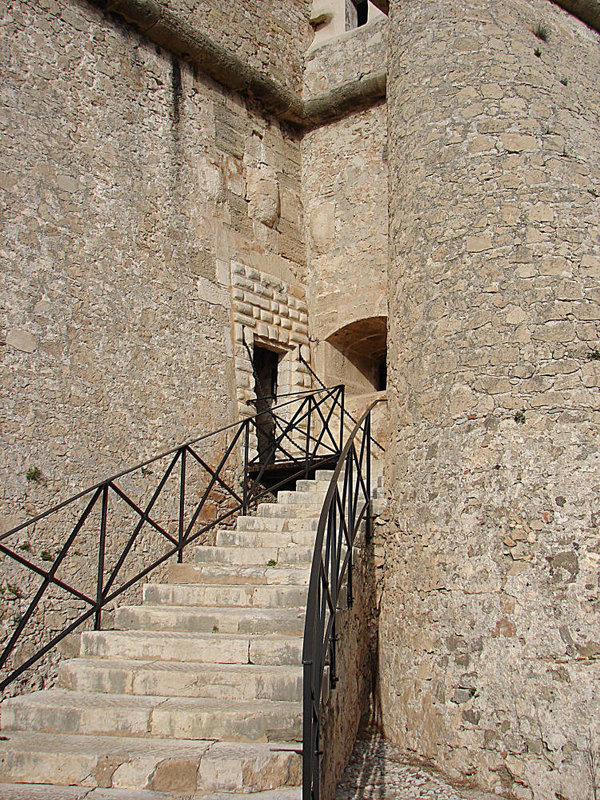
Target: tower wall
(489, 639)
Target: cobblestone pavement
(379, 771)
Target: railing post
(101, 551)
(351, 516)
(307, 447)
(342, 412)
(369, 531)
(245, 471)
(183, 454)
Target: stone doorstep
(194, 647)
(182, 679)
(71, 712)
(232, 574)
(292, 596)
(211, 620)
(159, 764)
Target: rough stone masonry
(142, 182)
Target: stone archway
(356, 355)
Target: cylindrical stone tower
(490, 625)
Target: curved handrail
(319, 637)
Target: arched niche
(356, 356)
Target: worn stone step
(293, 596)
(259, 556)
(264, 538)
(28, 791)
(63, 711)
(285, 793)
(196, 647)
(232, 574)
(211, 620)
(311, 497)
(182, 679)
(298, 510)
(277, 523)
(324, 475)
(158, 764)
(21, 791)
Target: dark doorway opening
(362, 12)
(381, 377)
(264, 363)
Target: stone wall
(345, 197)
(489, 644)
(272, 36)
(129, 186)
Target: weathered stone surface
(489, 613)
(263, 195)
(117, 292)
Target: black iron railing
(179, 496)
(346, 510)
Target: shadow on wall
(356, 355)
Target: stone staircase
(195, 693)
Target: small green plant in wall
(541, 32)
(33, 474)
(520, 417)
(594, 355)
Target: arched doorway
(357, 356)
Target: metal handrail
(341, 517)
(307, 439)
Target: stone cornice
(173, 32)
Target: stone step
(324, 475)
(258, 556)
(285, 793)
(311, 497)
(234, 575)
(211, 648)
(22, 791)
(182, 679)
(159, 764)
(265, 538)
(297, 510)
(211, 620)
(276, 524)
(63, 711)
(293, 596)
